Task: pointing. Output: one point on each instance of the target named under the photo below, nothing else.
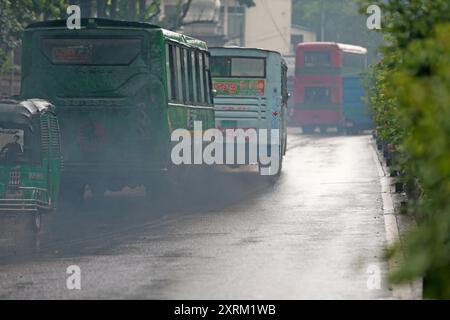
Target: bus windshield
(238, 67)
(92, 50)
(12, 149)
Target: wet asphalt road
(314, 234)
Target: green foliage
(16, 14)
(410, 94)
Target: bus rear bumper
(317, 117)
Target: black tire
(323, 130)
(72, 193)
(308, 129)
(168, 183)
(98, 191)
(272, 178)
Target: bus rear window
(317, 59)
(238, 67)
(92, 51)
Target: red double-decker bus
(318, 94)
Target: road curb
(393, 227)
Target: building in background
(268, 25)
(300, 34)
(201, 21)
(226, 22)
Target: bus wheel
(308, 129)
(323, 129)
(274, 175)
(73, 193)
(98, 191)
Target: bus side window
(171, 74)
(189, 82)
(206, 79)
(201, 83)
(179, 74)
(184, 74)
(194, 84)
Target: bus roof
(344, 47)
(246, 49)
(94, 22)
(120, 24)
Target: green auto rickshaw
(30, 157)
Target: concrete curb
(393, 226)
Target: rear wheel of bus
(272, 177)
(308, 129)
(72, 193)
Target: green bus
(120, 89)
(30, 157)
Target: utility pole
(322, 21)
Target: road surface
(317, 233)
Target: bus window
(317, 59)
(180, 97)
(172, 71)
(92, 51)
(317, 95)
(220, 66)
(169, 72)
(194, 76)
(248, 67)
(190, 75)
(185, 74)
(201, 83)
(207, 82)
(353, 62)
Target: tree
(410, 98)
(16, 14)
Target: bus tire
(308, 129)
(323, 130)
(72, 193)
(274, 177)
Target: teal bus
(251, 91)
(120, 88)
